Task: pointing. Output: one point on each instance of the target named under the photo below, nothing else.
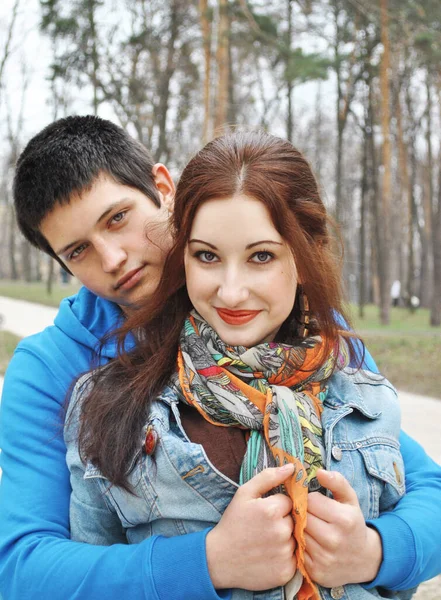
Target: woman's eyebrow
(262, 242)
(202, 242)
(247, 247)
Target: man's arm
(397, 551)
(38, 561)
(411, 533)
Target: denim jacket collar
(345, 391)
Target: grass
(407, 351)
(411, 362)
(401, 320)
(36, 291)
(8, 341)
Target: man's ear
(164, 183)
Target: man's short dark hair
(66, 158)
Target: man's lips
(237, 317)
(127, 281)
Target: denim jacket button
(337, 592)
(337, 453)
(151, 438)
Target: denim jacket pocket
(385, 466)
(132, 508)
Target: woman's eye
(119, 216)
(262, 257)
(206, 257)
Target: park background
(354, 84)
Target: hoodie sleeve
(38, 561)
(411, 533)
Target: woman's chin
(246, 340)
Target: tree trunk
(95, 61)
(426, 278)
(425, 231)
(164, 88)
(375, 206)
(318, 150)
(13, 271)
(223, 74)
(406, 271)
(206, 40)
(384, 265)
(363, 215)
(232, 107)
(26, 267)
(50, 276)
(339, 174)
(288, 74)
(7, 49)
(435, 305)
(37, 256)
(435, 312)
(411, 283)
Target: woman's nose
(233, 290)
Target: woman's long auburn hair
(260, 166)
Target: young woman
(240, 364)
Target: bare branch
(7, 48)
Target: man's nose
(233, 289)
(112, 257)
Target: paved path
(423, 424)
(24, 318)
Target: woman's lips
(237, 317)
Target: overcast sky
(31, 51)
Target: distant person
(90, 196)
(395, 292)
(414, 303)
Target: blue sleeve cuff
(185, 557)
(399, 552)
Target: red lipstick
(237, 317)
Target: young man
(90, 196)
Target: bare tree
(7, 49)
(223, 64)
(386, 192)
(206, 25)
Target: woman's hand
(340, 547)
(252, 547)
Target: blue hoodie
(38, 561)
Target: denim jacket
(177, 490)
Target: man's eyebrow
(246, 247)
(103, 215)
(66, 248)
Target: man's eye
(262, 257)
(78, 250)
(206, 257)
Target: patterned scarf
(274, 391)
